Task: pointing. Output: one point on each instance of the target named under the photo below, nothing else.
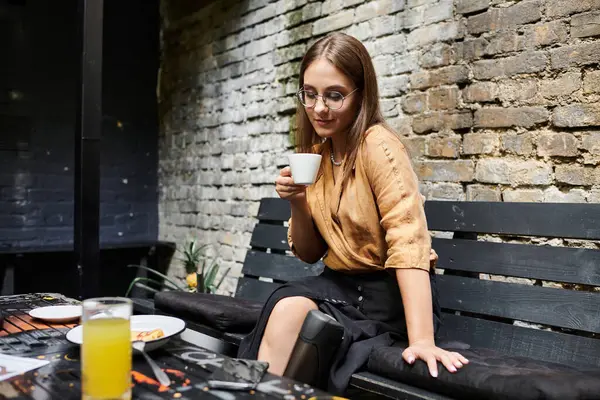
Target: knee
(292, 310)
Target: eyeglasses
(332, 99)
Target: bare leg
(282, 331)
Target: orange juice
(106, 359)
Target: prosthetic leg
(313, 352)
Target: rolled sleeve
(396, 190)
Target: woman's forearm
(415, 289)
(308, 242)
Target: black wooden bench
(484, 313)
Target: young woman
(364, 216)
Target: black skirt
(368, 305)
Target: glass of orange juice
(106, 349)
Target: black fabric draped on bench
(497, 320)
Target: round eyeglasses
(332, 99)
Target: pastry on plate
(147, 335)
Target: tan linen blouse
(378, 220)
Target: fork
(163, 379)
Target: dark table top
(186, 364)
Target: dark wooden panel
(274, 209)
(16, 132)
(253, 289)
(556, 307)
(580, 221)
(278, 266)
(270, 236)
(518, 341)
(559, 264)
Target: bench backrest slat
(278, 266)
(518, 341)
(274, 209)
(558, 264)
(565, 220)
(558, 307)
(270, 236)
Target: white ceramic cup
(305, 167)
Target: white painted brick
(291, 88)
(281, 124)
(433, 33)
(554, 195)
(411, 18)
(311, 11)
(259, 15)
(372, 9)
(388, 45)
(332, 6)
(383, 65)
(416, 3)
(393, 86)
(268, 28)
(439, 12)
(333, 22)
(383, 25)
(389, 107)
(360, 31)
(286, 71)
(289, 5)
(254, 160)
(256, 109)
(287, 54)
(239, 255)
(408, 62)
(286, 104)
(523, 195)
(294, 35)
(259, 47)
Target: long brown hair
(351, 57)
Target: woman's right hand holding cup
(287, 189)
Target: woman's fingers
(285, 187)
(460, 358)
(290, 188)
(289, 193)
(408, 356)
(287, 171)
(285, 181)
(432, 365)
(444, 357)
(450, 360)
(455, 359)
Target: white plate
(171, 326)
(56, 313)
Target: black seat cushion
(491, 375)
(227, 314)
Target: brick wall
(37, 122)
(496, 100)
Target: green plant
(201, 274)
(209, 274)
(204, 279)
(140, 280)
(192, 253)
